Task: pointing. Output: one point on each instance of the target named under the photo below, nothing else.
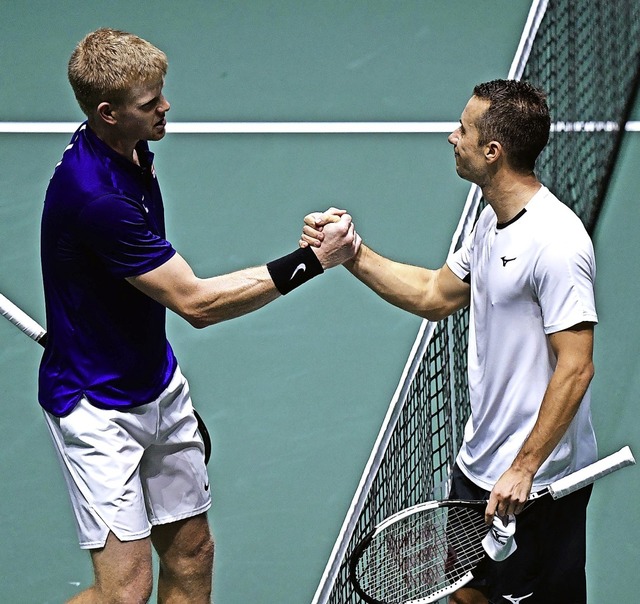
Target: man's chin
(158, 134)
(465, 175)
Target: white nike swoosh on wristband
(301, 267)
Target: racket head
(420, 554)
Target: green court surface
(295, 393)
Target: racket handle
(21, 319)
(591, 473)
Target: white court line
(311, 127)
(252, 127)
(304, 127)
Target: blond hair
(107, 63)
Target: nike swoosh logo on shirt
(301, 267)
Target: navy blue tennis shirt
(103, 221)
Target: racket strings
(422, 554)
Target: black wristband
(294, 269)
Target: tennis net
(586, 55)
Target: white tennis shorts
(129, 470)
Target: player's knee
(204, 554)
(132, 595)
(125, 578)
(137, 590)
(192, 561)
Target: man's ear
(493, 151)
(106, 113)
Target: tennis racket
(429, 550)
(38, 333)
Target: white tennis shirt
(529, 278)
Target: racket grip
(591, 473)
(21, 319)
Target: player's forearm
(408, 287)
(204, 302)
(561, 402)
(225, 297)
(398, 284)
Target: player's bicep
(573, 347)
(450, 292)
(173, 284)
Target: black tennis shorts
(548, 566)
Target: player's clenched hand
(509, 494)
(314, 223)
(340, 242)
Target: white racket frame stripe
(441, 593)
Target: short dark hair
(517, 117)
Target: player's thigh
(185, 545)
(548, 566)
(566, 558)
(173, 470)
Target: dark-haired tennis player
(115, 401)
(527, 271)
